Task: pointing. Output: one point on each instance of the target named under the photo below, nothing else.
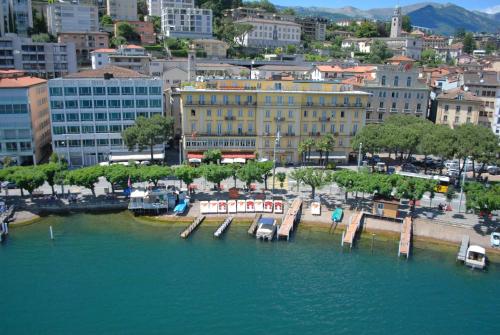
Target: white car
(495, 239)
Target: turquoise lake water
(109, 274)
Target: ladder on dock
(255, 223)
(192, 227)
(350, 233)
(223, 226)
(462, 251)
(290, 219)
(405, 239)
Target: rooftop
(104, 50)
(116, 71)
(19, 82)
(454, 94)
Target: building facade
(45, 60)
(24, 110)
(145, 30)
(90, 109)
(211, 48)
(394, 89)
(396, 23)
(132, 57)
(64, 17)
(122, 9)
(457, 107)
(244, 118)
(100, 57)
(180, 22)
(155, 6)
(269, 33)
(313, 28)
(85, 43)
(17, 16)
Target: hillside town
(101, 87)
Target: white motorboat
(476, 257)
(495, 239)
(266, 229)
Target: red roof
(132, 46)
(105, 50)
(400, 59)
(20, 82)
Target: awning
(329, 157)
(138, 194)
(194, 160)
(135, 157)
(191, 155)
(227, 161)
(239, 160)
(239, 155)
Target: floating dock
(291, 217)
(462, 251)
(349, 235)
(192, 227)
(254, 225)
(222, 228)
(405, 240)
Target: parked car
(479, 168)
(9, 184)
(408, 167)
(380, 167)
(451, 164)
(493, 169)
(453, 173)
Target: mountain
(441, 18)
(446, 19)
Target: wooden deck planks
(405, 239)
(192, 226)
(290, 218)
(352, 228)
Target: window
(457, 119)
(309, 101)
(75, 143)
(225, 100)
(58, 130)
(71, 104)
(128, 103)
(127, 90)
(342, 113)
(70, 91)
(155, 103)
(141, 90)
(193, 112)
(305, 128)
(213, 99)
(56, 91)
(408, 82)
(141, 103)
(291, 101)
(315, 114)
(99, 103)
(250, 113)
(56, 105)
(101, 116)
(446, 107)
(457, 108)
(86, 104)
(57, 117)
(209, 128)
(341, 128)
(87, 129)
(101, 128)
(290, 114)
(129, 116)
(419, 107)
(99, 90)
(116, 142)
(383, 80)
(102, 142)
(469, 109)
(268, 114)
(113, 90)
(114, 103)
(88, 143)
(154, 90)
(346, 101)
(445, 118)
(87, 116)
(267, 100)
(115, 128)
(72, 117)
(219, 113)
(115, 116)
(279, 100)
(240, 113)
(396, 81)
(73, 130)
(85, 91)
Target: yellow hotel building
(243, 117)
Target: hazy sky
(366, 4)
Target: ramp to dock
(192, 227)
(405, 239)
(222, 228)
(462, 251)
(350, 233)
(255, 223)
(291, 217)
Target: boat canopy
(477, 249)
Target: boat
(337, 215)
(495, 239)
(181, 207)
(266, 229)
(476, 257)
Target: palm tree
(309, 144)
(327, 143)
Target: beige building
(122, 9)
(24, 110)
(211, 48)
(245, 118)
(268, 33)
(85, 43)
(456, 107)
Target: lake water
(110, 274)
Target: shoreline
(385, 232)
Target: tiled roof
(355, 69)
(132, 46)
(20, 82)
(116, 71)
(400, 59)
(454, 93)
(105, 50)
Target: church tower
(396, 23)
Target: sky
(367, 4)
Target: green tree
(50, 171)
(460, 32)
(406, 24)
(212, 156)
(265, 170)
(481, 198)
(233, 169)
(39, 22)
(379, 52)
(226, 30)
(370, 137)
(288, 11)
(155, 173)
(469, 43)
(187, 174)
(306, 146)
(281, 176)
(298, 176)
(215, 173)
(127, 31)
(429, 57)
(366, 29)
(117, 175)
(291, 49)
(7, 161)
(250, 173)
(413, 189)
(85, 177)
(148, 132)
(156, 20)
(117, 41)
(42, 38)
(316, 179)
(106, 20)
(327, 144)
(28, 178)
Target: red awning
(200, 156)
(231, 155)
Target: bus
(442, 181)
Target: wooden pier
(405, 240)
(462, 251)
(222, 228)
(291, 217)
(192, 227)
(255, 223)
(350, 233)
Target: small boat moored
(266, 229)
(495, 239)
(476, 257)
(337, 215)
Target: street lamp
(359, 156)
(462, 186)
(180, 151)
(276, 142)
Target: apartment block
(457, 106)
(155, 6)
(122, 9)
(24, 110)
(247, 117)
(17, 16)
(313, 28)
(90, 109)
(195, 23)
(64, 17)
(85, 43)
(45, 60)
(269, 33)
(145, 30)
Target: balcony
(279, 118)
(324, 119)
(381, 110)
(289, 134)
(315, 133)
(230, 118)
(419, 111)
(369, 109)
(406, 111)
(394, 110)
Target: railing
(407, 110)
(279, 118)
(230, 118)
(324, 119)
(381, 110)
(315, 134)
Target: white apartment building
(194, 23)
(155, 6)
(269, 33)
(122, 9)
(46, 60)
(63, 17)
(132, 57)
(394, 89)
(90, 109)
(100, 57)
